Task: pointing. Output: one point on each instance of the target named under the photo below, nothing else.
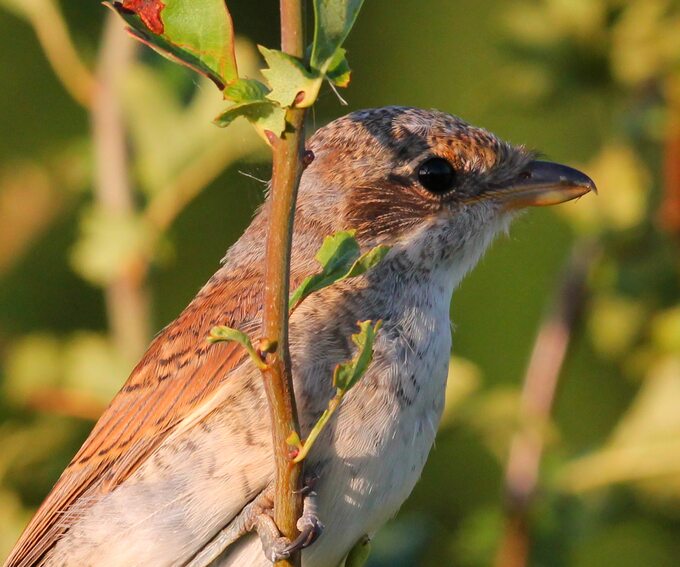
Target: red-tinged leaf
(149, 11)
(195, 33)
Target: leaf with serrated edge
(288, 77)
(196, 33)
(333, 20)
(222, 333)
(347, 374)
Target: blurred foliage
(590, 82)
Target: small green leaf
(358, 555)
(338, 251)
(339, 72)
(291, 83)
(333, 20)
(368, 260)
(340, 259)
(294, 440)
(196, 33)
(264, 115)
(222, 333)
(251, 102)
(246, 90)
(347, 374)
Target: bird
(185, 446)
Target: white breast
(386, 426)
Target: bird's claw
(310, 529)
(277, 547)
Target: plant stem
(318, 427)
(127, 300)
(278, 381)
(538, 395)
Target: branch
(278, 382)
(52, 33)
(127, 301)
(669, 211)
(538, 395)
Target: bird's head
(426, 183)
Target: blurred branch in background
(538, 395)
(52, 32)
(127, 299)
(669, 212)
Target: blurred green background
(87, 276)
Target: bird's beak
(543, 183)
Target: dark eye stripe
(437, 175)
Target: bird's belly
(376, 456)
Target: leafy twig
(222, 333)
(278, 383)
(345, 377)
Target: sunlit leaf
(347, 374)
(333, 20)
(222, 333)
(291, 83)
(196, 33)
(340, 258)
(339, 72)
(265, 115)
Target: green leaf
(294, 440)
(265, 115)
(333, 20)
(195, 33)
(339, 72)
(251, 102)
(358, 555)
(347, 374)
(291, 83)
(246, 90)
(338, 251)
(223, 333)
(367, 261)
(340, 259)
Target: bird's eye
(437, 175)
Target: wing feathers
(179, 371)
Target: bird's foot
(276, 546)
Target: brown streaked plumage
(184, 446)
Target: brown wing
(177, 373)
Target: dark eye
(437, 175)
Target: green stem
(318, 427)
